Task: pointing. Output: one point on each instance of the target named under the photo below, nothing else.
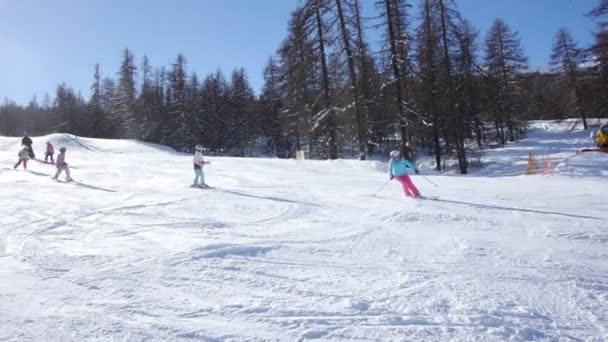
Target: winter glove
(392, 177)
(417, 172)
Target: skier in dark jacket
(27, 142)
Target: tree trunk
(459, 129)
(331, 120)
(432, 80)
(361, 127)
(396, 74)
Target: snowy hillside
(302, 251)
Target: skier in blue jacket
(399, 168)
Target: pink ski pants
(408, 187)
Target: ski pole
(382, 187)
(428, 180)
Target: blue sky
(45, 42)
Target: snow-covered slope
(301, 251)
(553, 141)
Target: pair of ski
(45, 175)
(49, 163)
(204, 187)
(421, 198)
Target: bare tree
(395, 36)
(326, 117)
(98, 116)
(505, 60)
(565, 59)
(359, 112)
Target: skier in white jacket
(199, 161)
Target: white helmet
(395, 154)
(199, 147)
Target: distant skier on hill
(50, 152)
(198, 163)
(27, 142)
(23, 155)
(399, 168)
(62, 165)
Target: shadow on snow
(496, 207)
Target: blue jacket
(400, 167)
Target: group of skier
(27, 153)
(399, 167)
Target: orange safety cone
(548, 167)
(531, 166)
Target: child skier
(398, 168)
(50, 151)
(24, 156)
(62, 165)
(199, 161)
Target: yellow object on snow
(601, 139)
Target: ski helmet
(395, 154)
(198, 147)
(62, 149)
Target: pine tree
(394, 14)
(124, 114)
(467, 64)
(270, 126)
(212, 123)
(177, 132)
(326, 118)
(146, 101)
(241, 97)
(66, 110)
(565, 59)
(428, 46)
(361, 120)
(299, 84)
(505, 60)
(98, 116)
(193, 108)
(369, 83)
(159, 113)
(449, 19)
(600, 14)
(599, 51)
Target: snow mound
(87, 145)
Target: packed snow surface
(302, 251)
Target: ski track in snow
(302, 251)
